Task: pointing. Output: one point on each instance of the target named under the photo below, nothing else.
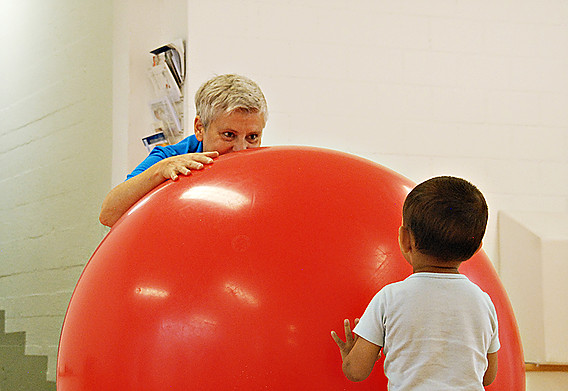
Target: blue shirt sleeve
(187, 145)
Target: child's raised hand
(345, 347)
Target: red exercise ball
(233, 277)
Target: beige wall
(139, 27)
(547, 381)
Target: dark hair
(447, 217)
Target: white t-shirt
(436, 330)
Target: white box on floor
(533, 249)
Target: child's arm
(491, 371)
(358, 354)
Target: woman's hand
(172, 167)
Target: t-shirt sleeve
(494, 344)
(371, 325)
(189, 144)
(158, 153)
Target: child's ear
(479, 248)
(404, 239)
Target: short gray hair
(227, 93)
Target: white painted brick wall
(55, 140)
(468, 88)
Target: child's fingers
(348, 333)
(337, 340)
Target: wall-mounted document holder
(154, 140)
(167, 75)
(167, 119)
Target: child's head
(446, 217)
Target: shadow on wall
(18, 371)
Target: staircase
(18, 371)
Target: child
(438, 330)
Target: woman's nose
(240, 145)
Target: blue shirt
(187, 145)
